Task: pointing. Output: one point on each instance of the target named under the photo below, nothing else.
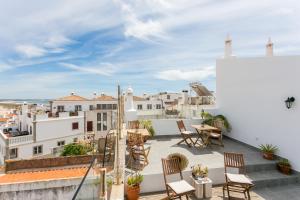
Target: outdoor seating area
(231, 164)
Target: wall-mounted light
(289, 102)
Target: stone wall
(11, 165)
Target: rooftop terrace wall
(251, 92)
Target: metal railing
(96, 183)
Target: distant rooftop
(42, 175)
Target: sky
(49, 49)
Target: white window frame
(37, 150)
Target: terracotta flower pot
(133, 192)
(268, 156)
(285, 169)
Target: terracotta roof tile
(54, 174)
(72, 98)
(136, 98)
(105, 98)
(4, 119)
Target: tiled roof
(54, 174)
(105, 98)
(4, 119)
(136, 98)
(72, 98)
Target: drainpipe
(34, 128)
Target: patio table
(145, 133)
(204, 132)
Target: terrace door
(89, 126)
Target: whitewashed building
(39, 134)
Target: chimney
(72, 93)
(269, 48)
(95, 94)
(185, 97)
(228, 48)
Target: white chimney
(185, 97)
(269, 48)
(72, 93)
(228, 47)
(95, 94)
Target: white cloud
(30, 51)
(104, 69)
(142, 29)
(57, 41)
(187, 75)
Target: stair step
(268, 178)
(261, 167)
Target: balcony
(20, 140)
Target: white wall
(251, 93)
(58, 127)
(169, 126)
(25, 151)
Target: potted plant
(133, 186)
(109, 183)
(147, 124)
(199, 171)
(268, 151)
(210, 119)
(284, 166)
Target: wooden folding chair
(106, 146)
(134, 124)
(186, 135)
(137, 149)
(217, 134)
(236, 182)
(175, 189)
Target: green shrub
(75, 149)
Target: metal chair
(175, 189)
(236, 182)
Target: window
(103, 106)
(149, 106)
(140, 107)
(168, 96)
(13, 153)
(99, 122)
(104, 121)
(37, 150)
(98, 106)
(109, 106)
(77, 108)
(89, 126)
(158, 106)
(60, 108)
(75, 125)
(61, 143)
(30, 131)
(114, 106)
(75, 140)
(91, 107)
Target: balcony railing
(20, 139)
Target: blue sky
(51, 48)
